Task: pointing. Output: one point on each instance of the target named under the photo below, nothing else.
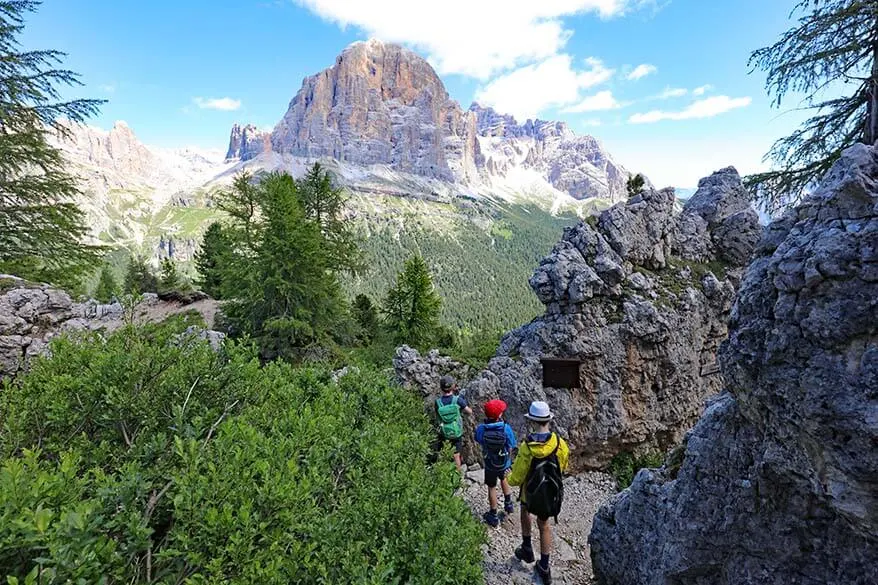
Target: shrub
(625, 466)
(145, 456)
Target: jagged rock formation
(576, 165)
(643, 321)
(247, 142)
(382, 104)
(422, 372)
(778, 482)
(32, 314)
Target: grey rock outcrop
(32, 314)
(643, 323)
(421, 373)
(778, 482)
(247, 142)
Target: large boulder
(778, 482)
(641, 314)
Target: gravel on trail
(570, 560)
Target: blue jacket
(511, 441)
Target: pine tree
(411, 308)
(366, 315)
(169, 278)
(212, 258)
(107, 288)
(635, 185)
(282, 282)
(41, 228)
(323, 203)
(139, 278)
(836, 41)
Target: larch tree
(42, 231)
(833, 51)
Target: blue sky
(180, 72)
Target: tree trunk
(870, 135)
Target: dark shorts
(524, 507)
(492, 477)
(454, 443)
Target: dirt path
(571, 562)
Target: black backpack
(494, 446)
(544, 485)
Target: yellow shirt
(528, 450)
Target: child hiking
(448, 413)
(538, 468)
(497, 441)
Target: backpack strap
(454, 399)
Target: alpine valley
(480, 195)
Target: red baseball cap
(494, 408)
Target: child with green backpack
(449, 407)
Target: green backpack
(450, 423)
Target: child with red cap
(497, 440)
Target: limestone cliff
(778, 482)
(382, 104)
(639, 318)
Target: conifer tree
(211, 259)
(366, 316)
(41, 228)
(281, 278)
(107, 288)
(635, 184)
(411, 308)
(139, 278)
(170, 278)
(834, 45)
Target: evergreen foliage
(281, 278)
(835, 42)
(366, 315)
(107, 288)
(635, 185)
(480, 274)
(215, 251)
(41, 228)
(145, 456)
(411, 307)
(139, 278)
(169, 278)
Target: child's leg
(507, 491)
(492, 497)
(545, 540)
(525, 525)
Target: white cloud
(706, 108)
(225, 104)
(671, 92)
(108, 88)
(602, 100)
(529, 90)
(641, 70)
(475, 38)
(702, 90)
(591, 123)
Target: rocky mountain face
(778, 482)
(247, 142)
(382, 104)
(639, 311)
(576, 165)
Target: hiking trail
(570, 560)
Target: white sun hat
(539, 412)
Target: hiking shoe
(509, 507)
(545, 574)
(525, 555)
(491, 519)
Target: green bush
(147, 457)
(625, 466)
